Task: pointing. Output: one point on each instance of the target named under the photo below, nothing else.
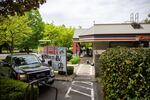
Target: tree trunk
(27, 50)
(1, 49)
(12, 43)
(12, 46)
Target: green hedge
(125, 73)
(70, 70)
(15, 90)
(75, 60)
(69, 56)
(5, 71)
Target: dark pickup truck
(28, 68)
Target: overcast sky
(83, 12)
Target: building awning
(113, 32)
(123, 37)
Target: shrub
(15, 90)
(125, 73)
(61, 72)
(70, 70)
(69, 51)
(5, 71)
(75, 60)
(69, 56)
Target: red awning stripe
(108, 39)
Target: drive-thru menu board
(54, 56)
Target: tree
(59, 35)
(11, 7)
(37, 26)
(13, 30)
(51, 33)
(147, 20)
(65, 37)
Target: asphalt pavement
(49, 93)
(82, 87)
(78, 91)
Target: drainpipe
(76, 48)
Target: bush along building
(103, 36)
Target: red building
(76, 48)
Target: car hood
(30, 69)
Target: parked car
(29, 68)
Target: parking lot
(82, 87)
(75, 90)
(49, 93)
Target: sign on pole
(56, 56)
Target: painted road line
(89, 83)
(84, 78)
(92, 94)
(90, 70)
(78, 69)
(82, 87)
(93, 70)
(67, 94)
(80, 92)
(85, 82)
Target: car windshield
(25, 60)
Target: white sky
(83, 12)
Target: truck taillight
(18, 76)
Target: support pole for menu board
(66, 59)
(47, 48)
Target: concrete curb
(65, 78)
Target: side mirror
(42, 60)
(50, 63)
(4, 60)
(5, 64)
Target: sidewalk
(85, 69)
(64, 77)
(81, 72)
(67, 77)
(85, 72)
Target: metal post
(47, 48)
(46, 44)
(76, 48)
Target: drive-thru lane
(83, 87)
(83, 84)
(48, 93)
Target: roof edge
(118, 24)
